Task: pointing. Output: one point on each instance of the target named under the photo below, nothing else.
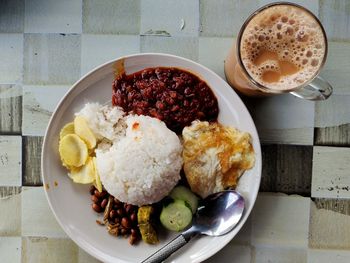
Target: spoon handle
(167, 250)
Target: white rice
(143, 166)
(104, 121)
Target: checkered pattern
(302, 213)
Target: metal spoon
(218, 214)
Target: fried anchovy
(108, 209)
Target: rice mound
(142, 166)
(106, 122)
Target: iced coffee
(280, 48)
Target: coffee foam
(282, 34)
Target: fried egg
(215, 156)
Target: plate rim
(258, 154)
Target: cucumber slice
(185, 194)
(176, 216)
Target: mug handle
(318, 89)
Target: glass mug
(280, 48)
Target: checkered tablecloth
(302, 213)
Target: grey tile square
(178, 18)
(31, 161)
(11, 54)
(11, 16)
(9, 191)
(334, 15)
(111, 17)
(280, 174)
(51, 16)
(10, 109)
(51, 58)
(98, 49)
(338, 205)
(39, 102)
(213, 52)
(11, 160)
(10, 249)
(224, 18)
(333, 136)
(181, 46)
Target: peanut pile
(119, 218)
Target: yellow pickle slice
(73, 150)
(82, 129)
(97, 181)
(67, 129)
(84, 174)
(148, 233)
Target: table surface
(302, 211)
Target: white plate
(71, 202)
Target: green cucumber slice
(176, 216)
(183, 193)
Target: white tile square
(111, 17)
(328, 229)
(330, 172)
(50, 16)
(336, 68)
(98, 49)
(213, 52)
(10, 160)
(233, 254)
(51, 59)
(180, 46)
(39, 102)
(49, 250)
(224, 18)
(178, 18)
(276, 254)
(281, 220)
(10, 207)
(10, 249)
(283, 119)
(37, 218)
(334, 15)
(11, 54)
(332, 112)
(327, 256)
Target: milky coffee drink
(282, 47)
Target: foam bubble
(293, 35)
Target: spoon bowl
(217, 215)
